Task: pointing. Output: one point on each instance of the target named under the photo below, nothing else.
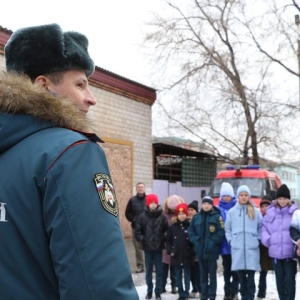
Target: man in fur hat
(60, 234)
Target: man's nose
(90, 99)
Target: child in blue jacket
(243, 229)
(231, 278)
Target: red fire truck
(260, 182)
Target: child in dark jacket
(195, 270)
(206, 232)
(265, 260)
(150, 230)
(231, 278)
(181, 250)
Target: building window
(168, 167)
(198, 171)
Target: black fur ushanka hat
(45, 49)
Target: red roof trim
(4, 35)
(125, 84)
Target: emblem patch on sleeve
(106, 192)
(212, 228)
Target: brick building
(122, 119)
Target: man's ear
(42, 81)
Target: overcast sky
(113, 28)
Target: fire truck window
(255, 185)
(273, 185)
(268, 187)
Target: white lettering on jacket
(2, 212)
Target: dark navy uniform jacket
(60, 235)
(206, 232)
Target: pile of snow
(271, 287)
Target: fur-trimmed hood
(26, 108)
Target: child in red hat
(150, 230)
(181, 249)
(169, 207)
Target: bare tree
(216, 81)
(281, 25)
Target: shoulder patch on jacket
(106, 192)
(221, 222)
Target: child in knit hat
(231, 278)
(169, 208)
(195, 270)
(276, 237)
(242, 229)
(150, 230)
(266, 263)
(193, 208)
(206, 232)
(181, 249)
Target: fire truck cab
(260, 182)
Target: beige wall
(127, 120)
(127, 123)
(2, 62)
(125, 126)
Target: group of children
(248, 239)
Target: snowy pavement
(141, 287)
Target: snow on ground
(271, 287)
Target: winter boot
(149, 296)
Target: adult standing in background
(135, 207)
(60, 232)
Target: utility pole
(297, 22)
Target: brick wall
(125, 126)
(119, 158)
